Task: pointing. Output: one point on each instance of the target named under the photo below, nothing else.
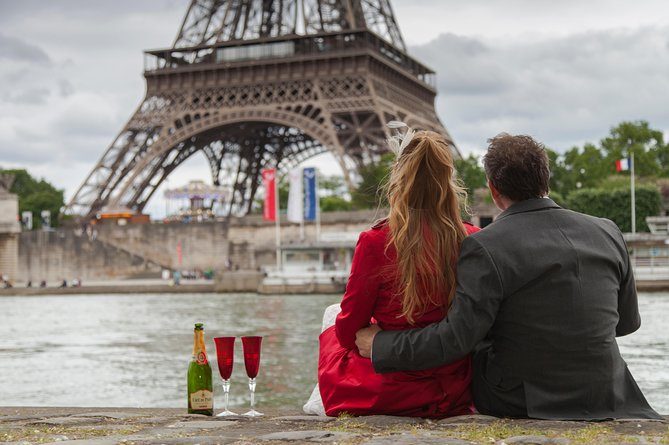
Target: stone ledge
(135, 426)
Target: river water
(133, 350)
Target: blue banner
(310, 196)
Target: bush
(615, 205)
(558, 198)
(335, 203)
(369, 194)
(36, 195)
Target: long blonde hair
(425, 223)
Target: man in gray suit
(542, 294)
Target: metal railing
(300, 46)
(650, 267)
(658, 224)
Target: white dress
(315, 404)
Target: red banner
(269, 181)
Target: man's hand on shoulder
(364, 339)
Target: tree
(651, 154)
(335, 204)
(334, 194)
(471, 173)
(594, 164)
(284, 187)
(332, 185)
(369, 192)
(332, 190)
(35, 196)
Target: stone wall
(62, 254)
(249, 242)
(9, 230)
(202, 245)
(9, 248)
(110, 250)
(114, 251)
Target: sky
(564, 72)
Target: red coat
(348, 382)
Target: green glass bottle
(200, 384)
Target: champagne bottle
(200, 384)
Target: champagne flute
(252, 364)
(225, 349)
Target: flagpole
(277, 220)
(633, 193)
(318, 211)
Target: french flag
(622, 165)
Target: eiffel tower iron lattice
(264, 83)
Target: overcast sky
(565, 72)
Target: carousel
(195, 201)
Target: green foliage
(284, 187)
(332, 190)
(334, 194)
(623, 182)
(651, 154)
(335, 204)
(585, 179)
(369, 193)
(614, 204)
(471, 174)
(558, 198)
(35, 196)
(578, 171)
(591, 165)
(330, 185)
(579, 168)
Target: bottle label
(202, 399)
(201, 358)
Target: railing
(650, 267)
(658, 224)
(285, 47)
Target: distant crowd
(7, 283)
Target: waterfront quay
(229, 282)
(111, 426)
(239, 253)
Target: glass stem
(252, 388)
(226, 391)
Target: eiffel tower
(264, 83)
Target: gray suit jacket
(549, 289)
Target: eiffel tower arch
(264, 83)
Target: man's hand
(364, 339)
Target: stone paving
(128, 426)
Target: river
(133, 350)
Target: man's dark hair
(517, 166)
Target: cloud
(74, 78)
(32, 96)
(44, 120)
(480, 74)
(70, 72)
(65, 87)
(13, 49)
(564, 90)
(422, 20)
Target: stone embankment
(105, 426)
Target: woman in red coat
(412, 289)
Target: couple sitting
(517, 320)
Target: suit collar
(529, 205)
